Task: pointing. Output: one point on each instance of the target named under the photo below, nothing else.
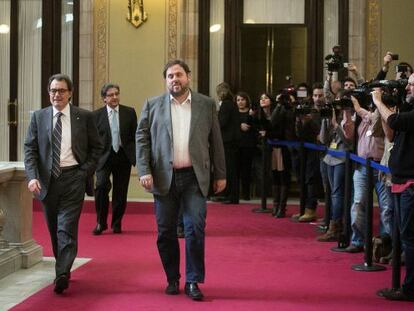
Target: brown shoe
(310, 215)
(333, 233)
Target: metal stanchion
(324, 224)
(345, 237)
(302, 183)
(263, 206)
(367, 266)
(396, 245)
(396, 250)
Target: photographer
(401, 164)
(358, 78)
(370, 145)
(406, 69)
(331, 87)
(338, 135)
(308, 125)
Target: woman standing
(248, 141)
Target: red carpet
(253, 261)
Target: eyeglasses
(60, 91)
(112, 94)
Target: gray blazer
(86, 144)
(155, 147)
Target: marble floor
(17, 286)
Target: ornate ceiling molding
(101, 20)
(373, 37)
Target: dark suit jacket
(86, 144)
(127, 128)
(154, 142)
(229, 119)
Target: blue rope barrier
(336, 153)
(332, 152)
(360, 160)
(380, 167)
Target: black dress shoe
(173, 288)
(230, 202)
(61, 283)
(117, 229)
(99, 229)
(192, 291)
(395, 294)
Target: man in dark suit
(178, 145)
(61, 149)
(117, 125)
(229, 120)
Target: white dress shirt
(181, 120)
(66, 154)
(110, 112)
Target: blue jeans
(336, 177)
(185, 193)
(358, 209)
(404, 202)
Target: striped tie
(56, 144)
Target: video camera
(304, 108)
(335, 60)
(393, 92)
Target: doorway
(271, 58)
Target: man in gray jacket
(179, 146)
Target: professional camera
(304, 108)
(326, 111)
(393, 91)
(363, 94)
(335, 60)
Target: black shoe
(180, 232)
(394, 294)
(117, 229)
(192, 291)
(281, 213)
(61, 283)
(218, 199)
(99, 229)
(173, 288)
(230, 202)
(246, 197)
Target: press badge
(333, 145)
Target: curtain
(29, 69)
(4, 78)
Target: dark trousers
(313, 179)
(232, 188)
(185, 193)
(62, 208)
(404, 202)
(245, 162)
(119, 166)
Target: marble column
(18, 250)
